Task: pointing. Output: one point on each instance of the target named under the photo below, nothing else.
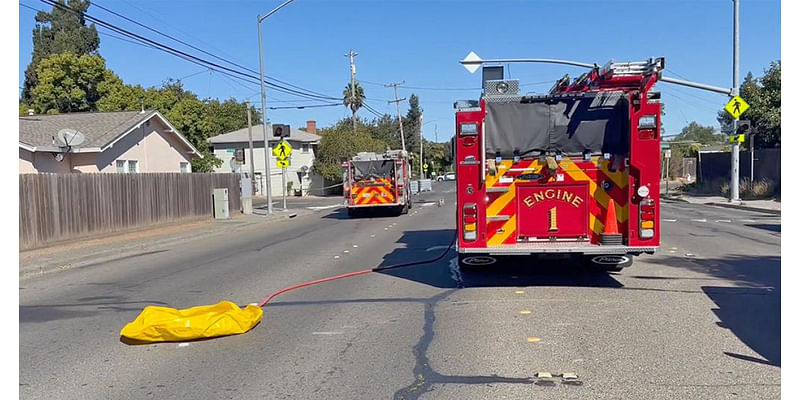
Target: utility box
(425, 185)
(220, 200)
(414, 187)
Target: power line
(188, 57)
(201, 50)
(304, 106)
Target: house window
(121, 166)
(133, 166)
(305, 147)
(184, 167)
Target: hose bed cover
(596, 123)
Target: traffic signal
(280, 130)
(743, 127)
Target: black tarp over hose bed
(566, 125)
(373, 169)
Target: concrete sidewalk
(81, 253)
(767, 206)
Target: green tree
(354, 102)
(228, 116)
(56, 32)
(387, 130)
(411, 129)
(763, 94)
(68, 83)
(338, 144)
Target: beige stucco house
(116, 142)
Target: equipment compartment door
(552, 211)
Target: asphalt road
(700, 319)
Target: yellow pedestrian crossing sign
(283, 163)
(282, 150)
(736, 107)
(736, 138)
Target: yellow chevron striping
(619, 178)
(595, 191)
(508, 229)
(492, 180)
(501, 202)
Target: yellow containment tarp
(164, 324)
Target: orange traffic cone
(611, 219)
(611, 235)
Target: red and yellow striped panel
(501, 190)
(378, 192)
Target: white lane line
(335, 256)
(328, 333)
(183, 345)
(670, 220)
(427, 204)
(700, 220)
(723, 220)
(372, 236)
(322, 207)
(355, 245)
(347, 251)
(749, 221)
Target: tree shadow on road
(750, 309)
(506, 272)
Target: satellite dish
(70, 137)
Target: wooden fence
(57, 207)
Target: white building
(304, 145)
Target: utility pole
(420, 147)
(266, 179)
(399, 116)
(735, 92)
(250, 140)
(352, 54)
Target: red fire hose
(362, 272)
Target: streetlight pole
(264, 105)
(735, 92)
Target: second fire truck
(377, 181)
(570, 173)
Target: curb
(756, 209)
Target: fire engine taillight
(647, 216)
(647, 122)
(469, 220)
(469, 128)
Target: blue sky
(421, 43)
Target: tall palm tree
(353, 102)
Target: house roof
(101, 129)
(241, 136)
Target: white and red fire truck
(570, 173)
(377, 181)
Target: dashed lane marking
(723, 220)
(671, 220)
(534, 339)
(700, 220)
(525, 312)
(519, 291)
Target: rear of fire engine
(377, 181)
(571, 173)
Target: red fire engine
(571, 173)
(377, 181)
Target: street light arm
(695, 85)
(274, 11)
(528, 60)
